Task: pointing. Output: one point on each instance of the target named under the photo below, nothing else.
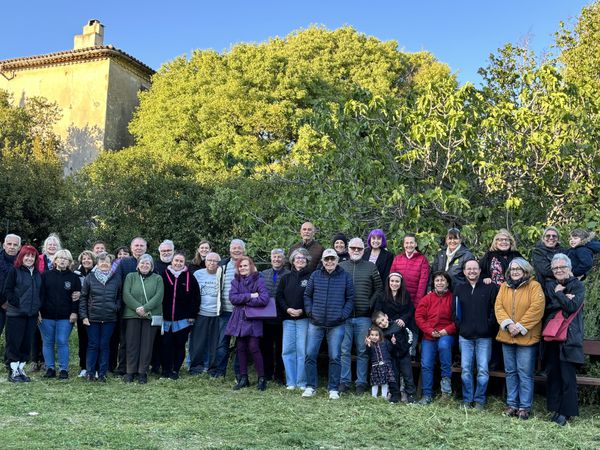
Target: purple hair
(377, 232)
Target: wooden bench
(591, 347)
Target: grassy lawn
(198, 412)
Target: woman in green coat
(142, 294)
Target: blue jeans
(56, 332)
(519, 365)
(219, 367)
(203, 343)
(429, 349)
(479, 351)
(294, 351)
(334, 337)
(99, 334)
(357, 328)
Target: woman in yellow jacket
(519, 311)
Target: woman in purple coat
(247, 289)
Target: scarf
(102, 277)
(176, 273)
(516, 284)
(450, 255)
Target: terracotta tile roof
(70, 56)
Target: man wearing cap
(307, 233)
(328, 302)
(367, 286)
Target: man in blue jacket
(328, 302)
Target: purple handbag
(269, 311)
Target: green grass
(198, 412)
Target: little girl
(382, 374)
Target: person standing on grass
(328, 302)
(367, 288)
(87, 261)
(473, 311)
(180, 307)
(378, 253)
(565, 296)
(59, 294)
(142, 297)
(22, 293)
(247, 290)
(308, 242)
(452, 257)
(99, 305)
(272, 338)
(519, 310)
(434, 318)
(8, 254)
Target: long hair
(401, 297)
(26, 250)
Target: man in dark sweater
(8, 254)
(307, 233)
(473, 310)
(367, 287)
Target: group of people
(135, 314)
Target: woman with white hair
(519, 310)
(565, 295)
(59, 296)
(143, 292)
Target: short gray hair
(356, 239)
(168, 242)
(523, 264)
(278, 251)
(300, 251)
(103, 256)
(238, 242)
(63, 254)
(13, 236)
(148, 258)
(562, 257)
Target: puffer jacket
(415, 273)
(367, 285)
(100, 302)
(435, 313)
(22, 292)
(582, 256)
(240, 295)
(454, 267)
(558, 303)
(329, 297)
(541, 257)
(524, 306)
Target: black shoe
(143, 378)
(89, 377)
(262, 384)
(50, 373)
(344, 388)
(242, 383)
(119, 373)
(102, 378)
(14, 378)
(360, 389)
(63, 375)
(174, 376)
(561, 420)
(24, 376)
(128, 378)
(394, 398)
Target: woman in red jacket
(434, 318)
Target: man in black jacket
(10, 248)
(473, 309)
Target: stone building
(95, 85)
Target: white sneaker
(290, 388)
(334, 395)
(82, 374)
(309, 392)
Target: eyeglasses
(551, 236)
(303, 258)
(516, 269)
(356, 249)
(502, 240)
(557, 268)
(329, 258)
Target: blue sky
(459, 33)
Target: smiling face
(376, 242)
(123, 254)
(236, 251)
(244, 268)
(166, 252)
(178, 262)
(574, 241)
(28, 260)
(452, 241)
(276, 261)
(330, 263)
(103, 265)
(339, 246)
(300, 262)
(440, 284)
(212, 262)
(99, 247)
(356, 249)
(51, 247)
(138, 247)
(560, 270)
(144, 267)
(502, 242)
(382, 321)
(204, 249)
(472, 271)
(87, 261)
(395, 283)
(374, 336)
(410, 245)
(516, 272)
(550, 239)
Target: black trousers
(173, 350)
(118, 349)
(37, 354)
(83, 343)
(561, 395)
(403, 369)
(19, 336)
(271, 347)
(139, 336)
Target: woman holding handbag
(565, 295)
(143, 295)
(248, 290)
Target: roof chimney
(93, 35)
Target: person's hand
(435, 334)
(191, 321)
(443, 333)
(559, 288)
(487, 280)
(39, 318)
(140, 311)
(393, 339)
(86, 322)
(254, 295)
(75, 296)
(73, 318)
(368, 341)
(570, 296)
(5, 306)
(513, 329)
(400, 323)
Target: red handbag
(557, 327)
